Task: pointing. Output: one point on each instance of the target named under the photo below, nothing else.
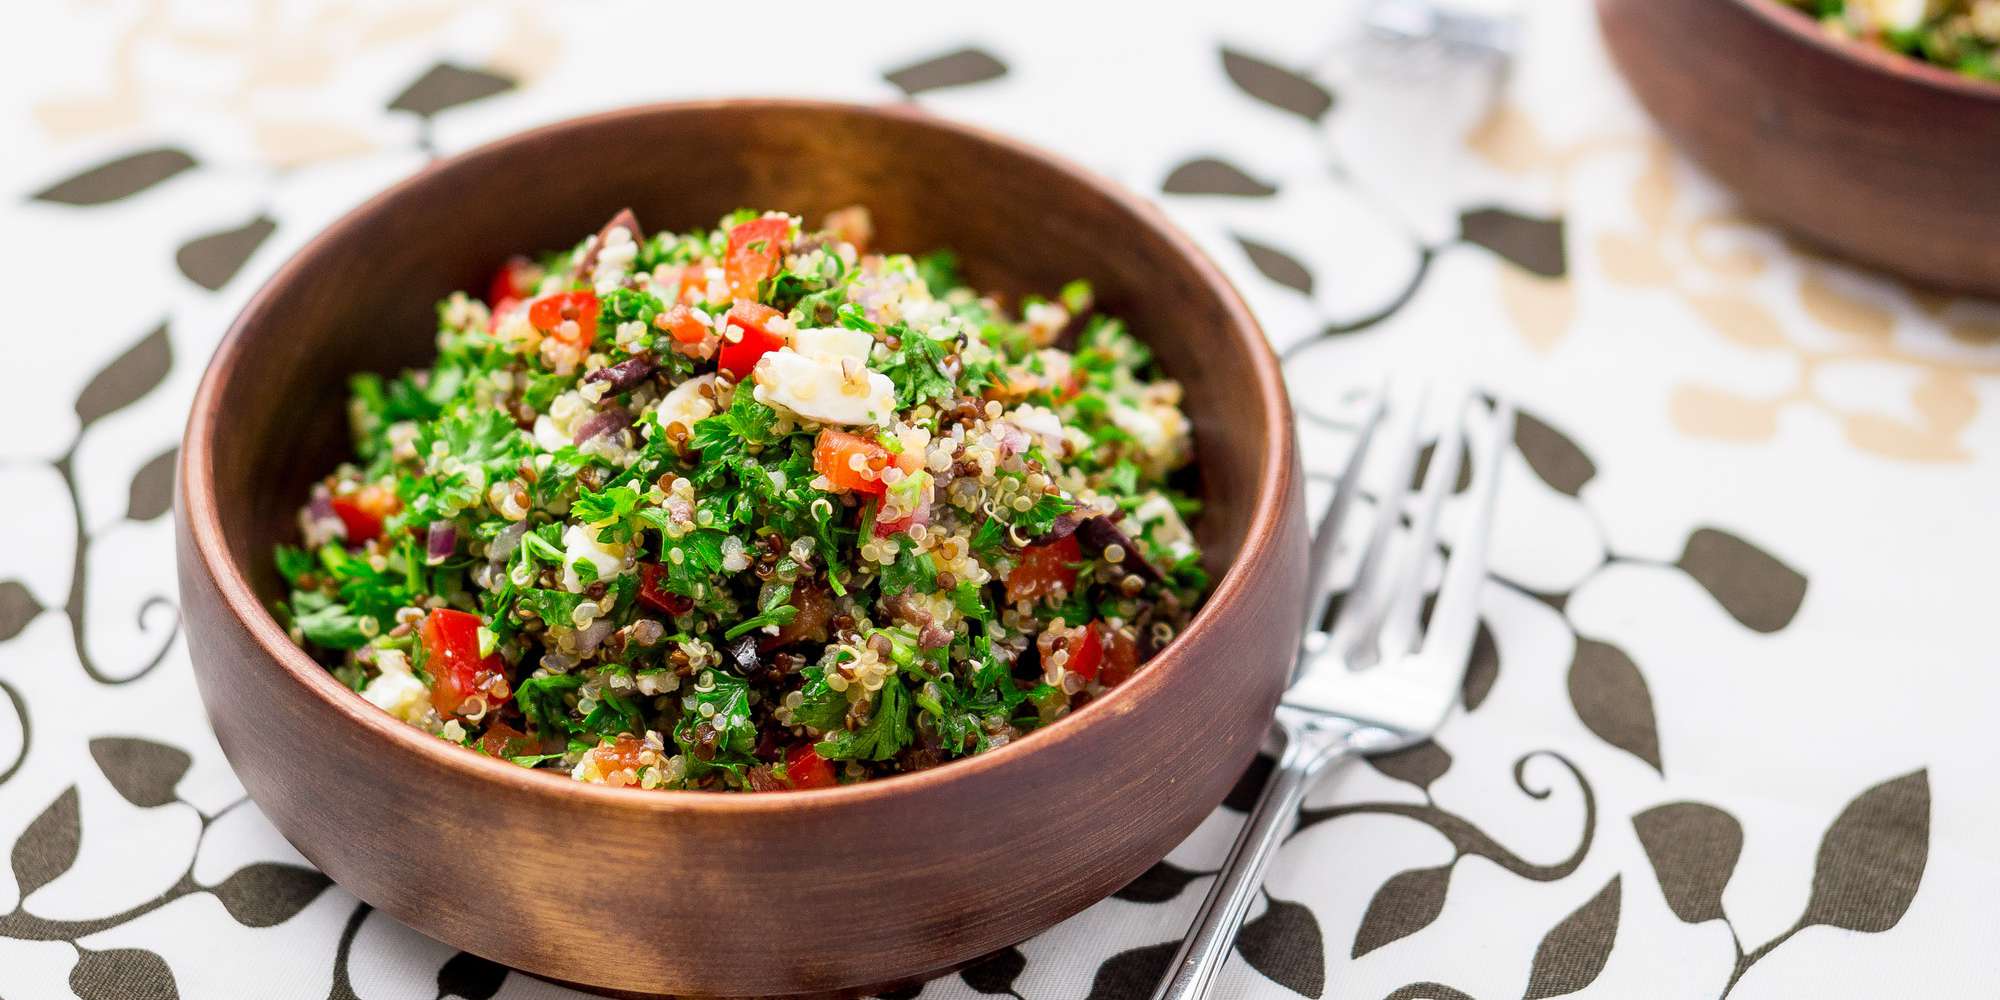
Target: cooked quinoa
(1963, 35)
(753, 508)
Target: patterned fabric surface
(1729, 728)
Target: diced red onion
(588, 638)
(625, 374)
(503, 544)
(605, 421)
(1013, 440)
(439, 542)
(317, 522)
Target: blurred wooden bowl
(687, 892)
(1878, 157)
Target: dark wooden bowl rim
(206, 530)
(1920, 72)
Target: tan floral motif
(1715, 262)
(176, 62)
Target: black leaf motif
(469, 976)
(267, 894)
(1277, 86)
(1611, 697)
(1207, 175)
(1483, 669)
(1157, 884)
(1535, 245)
(48, 846)
(1693, 848)
(1423, 469)
(1285, 945)
(1428, 991)
(143, 771)
(910, 992)
(1873, 856)
(953, 69)
(120, 178)
(1134, 974)
(123, 974)
(20, 710)
(1277, 265)
(1244, 793)
(446, 86)
(1553, 457)
(1419, 765)
(18, 607)
(1751, 584)
(152, 491)
(1574, 951)
(210, 261)
(996, 972)
(128, 377)
(1405, 904)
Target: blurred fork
(1380, 681)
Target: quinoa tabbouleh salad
(1963, 35)
(749, 509)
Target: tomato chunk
(621, 754)
(1044, 569)
(458, 672)
(516, 279)
(681, 324)
(503, 740)
(694, 284)
(654, 594)
(815, 610)
(555, 314)
(1121, 655)
(753, 322)
(836, 455)
(805, 768)
(755, 248)
(1086, 652)
(363, 511)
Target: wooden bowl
(1877, 156)
(695, 893)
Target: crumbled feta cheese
(1040, 421)
(580, 544)
(400, 694)
(547, 437)
(1163, 524)
(685, 404)
(1868, 16)
(824, 389)
(1158, 429)
(834, 343)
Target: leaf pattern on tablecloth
(119, 178)
(48, 847)
(1284, 944)
(128, 378)
(1277, 86)
(143, 771)
(1157, 884)
(123, 974)
(952, 69)
(1404, 905)
(1534, 245)
(1611, 697)
(1693, 848)
(1751, 584)
(211, 260)
(471, 977)
(1277, 265)
(152, 490)
(1574, 951)
(995, 974)
(1209, 175)
(446, 86)
(1419, 765)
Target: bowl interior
(362, 295)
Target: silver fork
(1379, 681)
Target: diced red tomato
(739, 356)
(516, 280)
(815, 610)
(805, 768)
(1086, 652)
(694, 283)
(363, 511)
(1044, 569)
(621, 754)
(1121, 655)
(833, 457)
(458, 672)
(755, 248)
(654, 594)
(550, 313)
(503, 740)
(680, 323)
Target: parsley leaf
(917, 369)
(884, 734)
(912, 568)
(543, 700)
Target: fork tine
(1361, 610)
(1455, 620)
(1326, 534)
(1399, 624)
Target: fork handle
(1209, 940)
